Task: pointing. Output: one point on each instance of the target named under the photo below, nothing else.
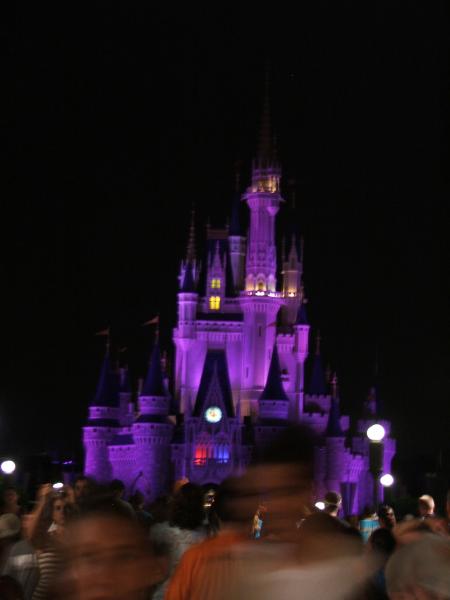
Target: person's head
(386, 516)
(426, 505)
(420, 569)
(117, 488)
(80, 488)
(10, 527)
(283, 475)
(382, 542)
(186, 509)
(53, 513)
(9, 499)
(108, 557)
(137, 500)
(233, 505)
(333, 503)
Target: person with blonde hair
(426, 507)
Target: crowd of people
(257, 537)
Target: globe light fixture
(376, 433)
(386, 480)
(320, 505)
(58, 485)
(8, 467)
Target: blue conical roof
(302, 318)
(154, 382)
(274, 389)
(235, 221)
(188, 285)
(125, 383)
(334, 425)
(107, 393)
(317, 385)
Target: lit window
(215, 284)
(214, 302)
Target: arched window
(215, 284)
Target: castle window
(215, 284)
(214, 302)
(201, 455)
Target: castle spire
(107, 393)
(274, 389)
(154, 382)
(190, 252)
(334, 428)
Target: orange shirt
(206, 569)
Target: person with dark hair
(117, 489)
(108, 556)
(137, 502)
(380, 547)
(386, 517)
(209, 569)
(9, 501)
(183, 529)
(333, 503)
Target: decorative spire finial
(190, 253)
(318, 340)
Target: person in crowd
(386, 517)
(19, 559)
(379, 548)
(108, 556)
(45, 533)
(368, 523)
(183, 529)
(9, 501)
(117, 489)
(333, 503)
(426, 507)
(144, 517)
(208, 569)
(420, 570)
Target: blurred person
(145, 518)
(386, 517)
(9, 501)
(426, 507)
(333, 503)
(107, 557)
(420, 570)
(368, 523)
(117, 489)
(19, 559)
(45, 533)
(184, 528)
(209, 569)
(379, 548)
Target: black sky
(118, 118)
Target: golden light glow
(214, 302)
(215, 284)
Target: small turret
(334, 428)
(273, 402)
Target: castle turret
(301, 337)
(336, 456)
(237, 242)
(103, 423)
(273, 402)
(125, 396)
(152, 432)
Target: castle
(241, 344)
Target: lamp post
(376, 434)
(8, 467)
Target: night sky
(118, 119)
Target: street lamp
(376, 434)
(320, 505)
(8, 467)
(386, 480)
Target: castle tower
(215, 284)
(102, 425)
(260, 303)
(301, 337)
(152, 432)
(236, 243)
(273, 402)
(336, 457)
(125, 394)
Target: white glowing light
(260, 293)
(58, 485)
(386, 480)
(320, 505)
(291, 294)
(8, 467)
(376, 433)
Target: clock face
(213, 414)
